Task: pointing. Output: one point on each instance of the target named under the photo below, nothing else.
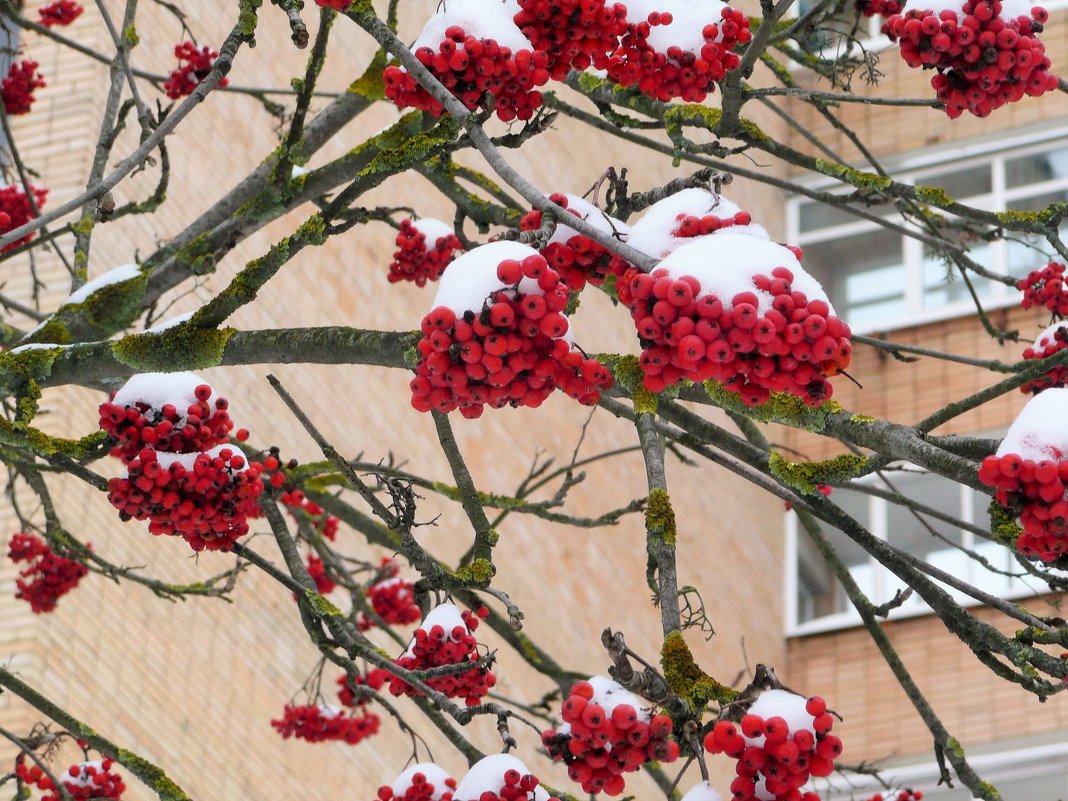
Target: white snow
(83, 780)
(591, 214)
(157, 389)
(1040, 431)
(610, 694)
(726, 263)
(483, 19)
(689, 18)
(1043, 340)
(298, 171)
(35, 346)
(434, 774)
(782, 704)
(432, 229)
(1010, 9)
(329, 711)
(115, 276)
(488, 775)
(445, 615)
(171, 322)
(472, 277)
(702, 792)
(652, 234)
(187, 460)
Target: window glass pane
(942, 283)
(819, 592)
(813, 216)
(1036, 168)
(961, 184)
(864, 275)
(1021, 258)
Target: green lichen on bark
(1003, 526)
(479, 573)
(1051, 215)
(370, 85)
(151, 775)
(399, 147)
(628, 374)
(660, 516)
(183, 347)
(852, 176)
(321, 604)
(805, 476)
(781, 407)
(686, 679)
(933, 195)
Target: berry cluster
(1053, 340)
(205, 498)
(193, 67)
(17, 88)
(575, 257)
(781, 741)
(426, 248)
(83, 781)
(1045, 287)
(47, 577)
(424, 781)
(574, 34)
(983, 59)
(882, 8)
(690, 226)
(605, 734)
(324, 585)
(469, 67)
(446, 637)
(338, 5)
(500, 777)
(318, 723)
(299, 506)
(665, 72)
(199, 425)
(348, 696)
(392, 598)
(753, 347)
(669, 223)
(514, 350)
(60, 12)
(898, 795)
(1034, 490)
(16, 210)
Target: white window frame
(992, 152)
(877, 517)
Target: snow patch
(434, 774)
(726, 263)
(432, 229)
(115, 276)
(653, 233)
(187, 460)
(591, 214)
(487, 775)
(171, 322)
(445, 615)
(157, 389)
(702, 792)
(35, 346)
(689, 18)
(1043, 340)
(610, 694)
(781, 704)
(1040, 431)
(83, 779)
(483, 19)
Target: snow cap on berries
(156, 390)
(483, 19)
(434, 775)
(783, 704)
(447, 616)
(487, 776)
(702, 792)
(609, 693)
(656, 232)
(1040, 430)
(688, 19)
(591, 214)
(472, 277)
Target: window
(879, 279)
(816, 601)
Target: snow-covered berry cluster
(898, 795)
(347, 693)
(83, 781)
(677, 48)
(881, 8)
(500, 777)
(986, 53)
(497, 336)
(18, 87)
(16, 211)
(575, 257)
(319, 723)
(690, 226)
(59, 12)
(175, 479)
(474, 48)
(133, 418)
(392, 598)
(425, 248)
(47, 576)
(574, 34)
(1045, 287)
(1053, 340)
(607, 733)
(690, 214)
(741, 311)
(446, 637)
(780, 742)
(193, 67)
(424, 781)
(1029, 472)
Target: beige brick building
(193, 685)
